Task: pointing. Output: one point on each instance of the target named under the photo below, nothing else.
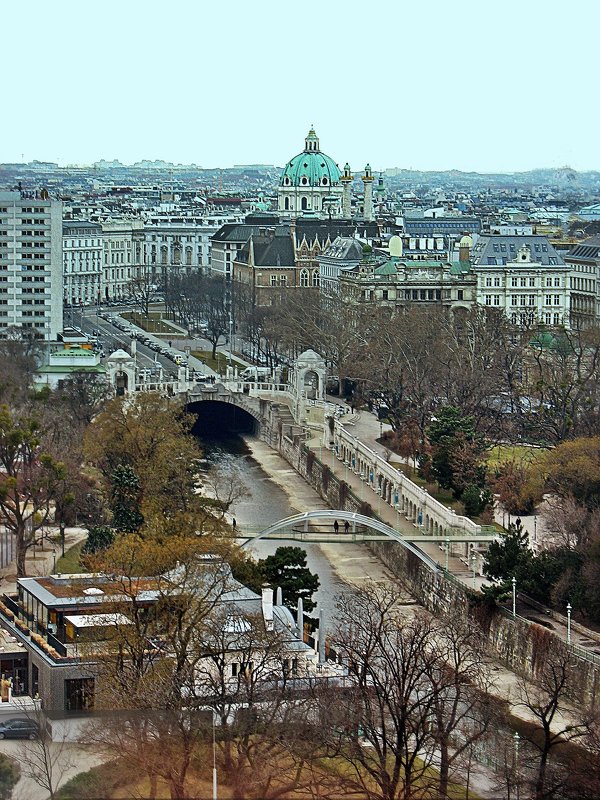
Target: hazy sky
(426, 84)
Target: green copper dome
(311, 167)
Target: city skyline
(433, 88)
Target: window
(531, 299)
(514, 282)
(488, 299)
(316, 278)
(532, 281)
(273, 280)
(497, 280)
(557, 281)
(548, 299)
(79, 694)
(460, 294)
(556, 299)
(304, 278)
(488, 281)
(514, 300)
(496, 299)
(548, 281)
(557, 319)
(523, 281)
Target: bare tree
(45, 760)
(559, 721)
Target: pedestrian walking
(336, 526)
(346, 527)
(234, 523)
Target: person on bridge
(346, 527)
(336, 526)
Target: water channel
(275, 491)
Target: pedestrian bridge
(361, 529)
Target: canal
(274, 491)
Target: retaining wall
(523, 646)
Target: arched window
(304, 278)
(188, 256)
(163, 255)
(286, 203)
(304, 203)
(316, 280)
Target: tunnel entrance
(217, 419)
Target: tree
(125, 500)
(546, 701)
(518, 487)
(573, 469)
(44, 760)
(510, 557)
(286, 569)
(456, 450)
(563, 379)
(142, 288)
(29, 479)
(146, 672)
(413, 690)
(153, 437)
(9, 775)
(99, 538)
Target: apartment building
(82, 260)
(31, 264)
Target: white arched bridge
(297, 527)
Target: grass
(521, 454)
(220, 363)
(69, 563)
(117, 780)
(152, 323)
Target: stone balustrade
(398, 491)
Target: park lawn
(218, 364)
(153, 323)
(521, 454)
(69, 563)
(118, 782)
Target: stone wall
(523, 646)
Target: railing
(575, 649)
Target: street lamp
(230, 337)
(514, 585)
(569, 607)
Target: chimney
(321, 637)
(300, 618)
(279, 597)
(267, 607)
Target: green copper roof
(311, 166)
(389, 268)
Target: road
(111, 338)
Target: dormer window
(324, 181)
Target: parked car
(19, 729)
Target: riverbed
(275, 491)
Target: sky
(492, 85)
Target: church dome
(311, 167)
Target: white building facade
(82, 261)
(526, 290)
(122, 256)
(31, 263)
